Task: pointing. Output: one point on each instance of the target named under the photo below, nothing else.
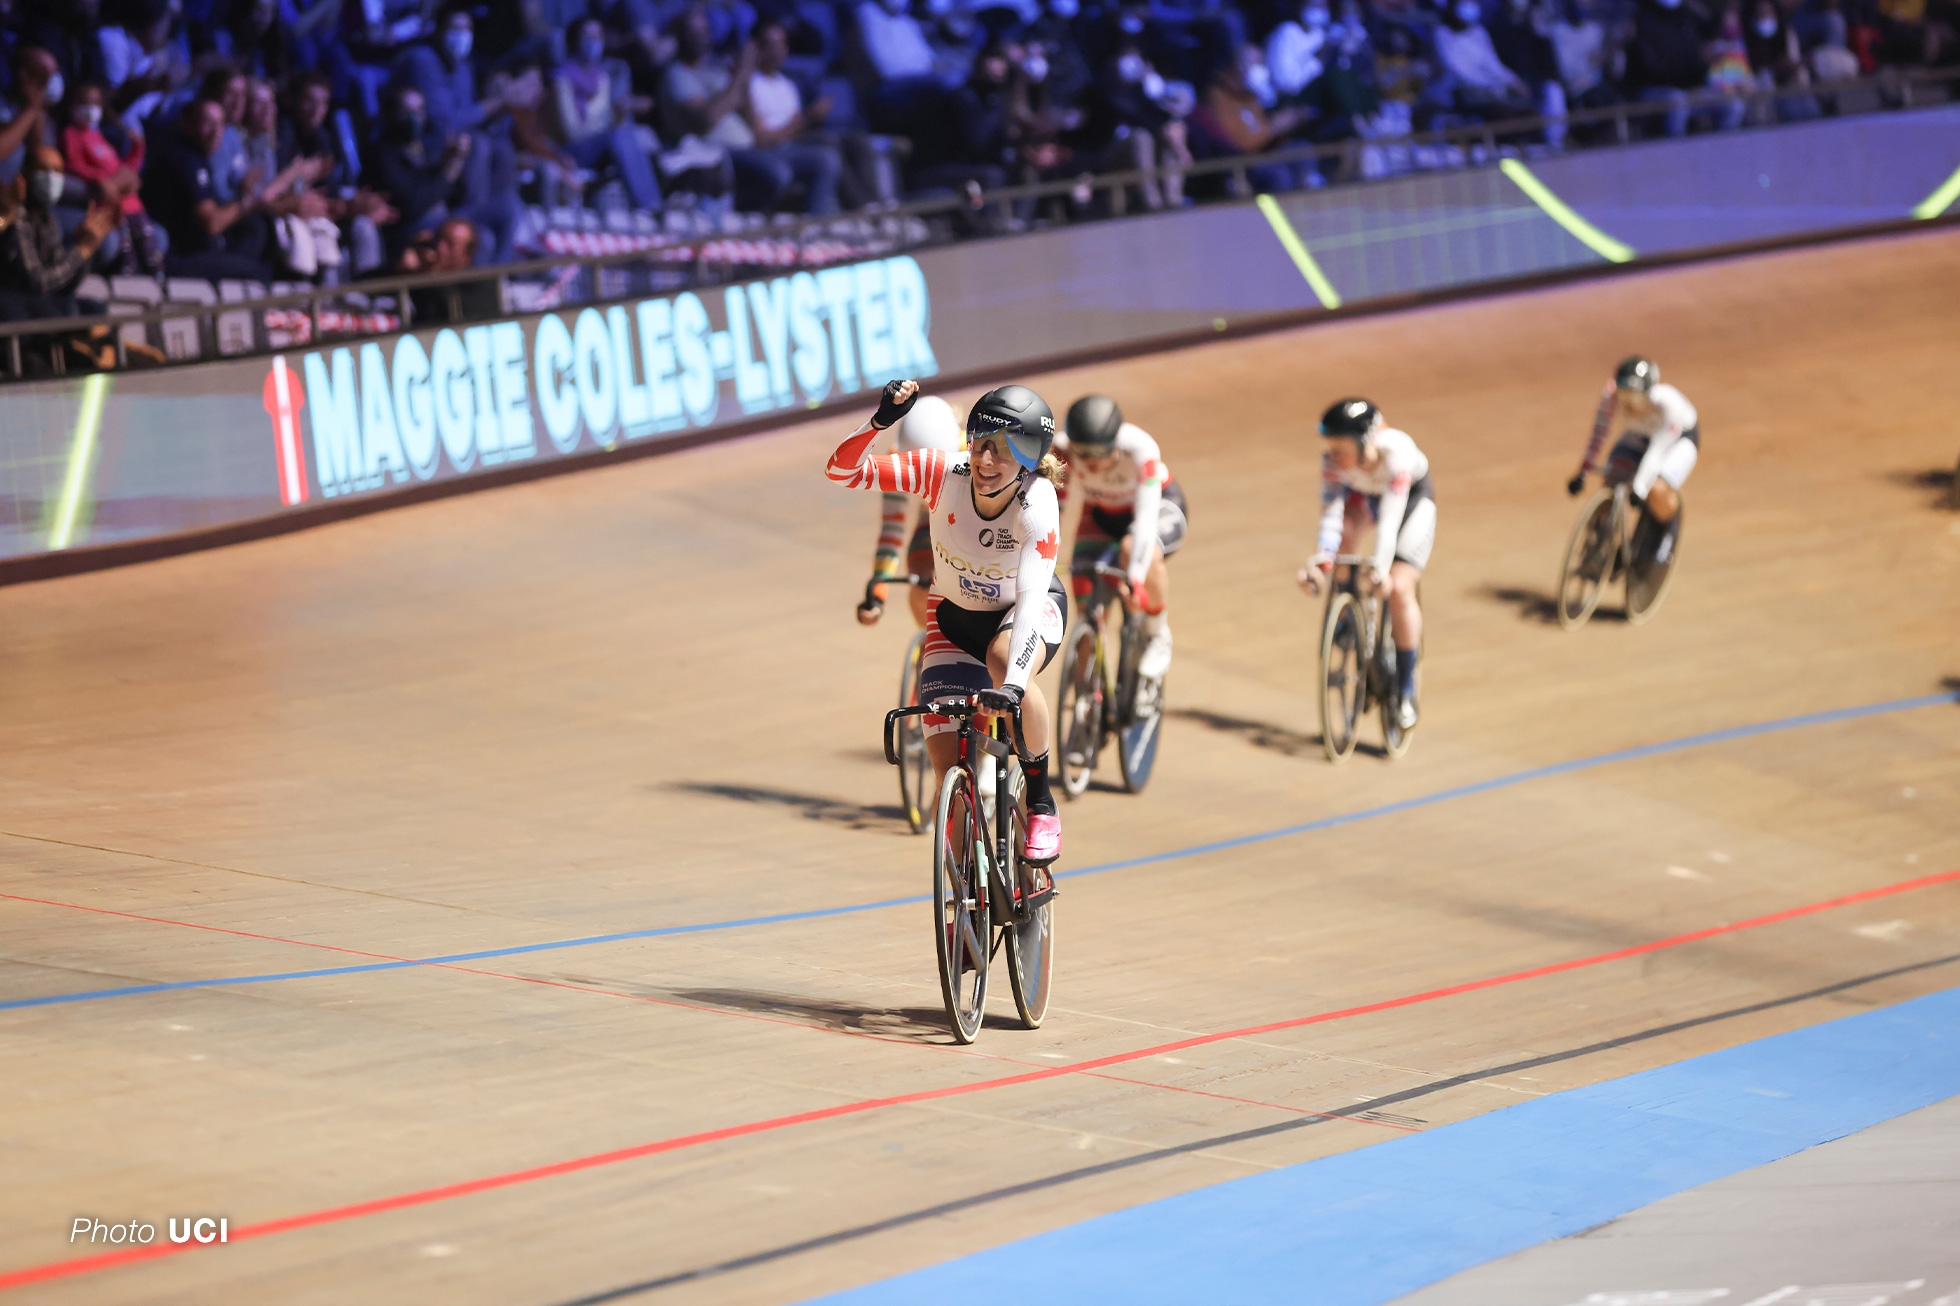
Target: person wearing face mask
(444, 71)
(1664, 59)
(1128, 127)
(411, 167)
(39, 265)
(594, 105)
(1233, 120)
(114, 174)
(1474, 82)
(1777, 61)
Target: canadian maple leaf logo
(1045, 546)
(951, 519)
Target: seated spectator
(411, 168)
(1728, 68)
(1475, 83)
(901, 76)
(969, 147)
(138, 62)
(373, 36)
(1915, 32)
(1345, 95)
(706, 96)
(1233, 120)
(1579, 42)
(114, 173)
(304, 134)
(1831, 59)
(24, 120)
(40, 266)
(1130, 125)
(782, 125)
(1521, 34)
(595, 105)
(450, 246)
(226, 87)
(1664, 60)
(210, 237)
(1777, 63)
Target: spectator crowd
(329, 140)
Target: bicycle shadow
(1939, 479)
(1260, 734)
(812, 807)
(913, 1024)
(1536, 605)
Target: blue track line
(1196, 850)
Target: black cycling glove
(1576, 484)
(1007, 698)
(889, 408)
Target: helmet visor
(1015, 448)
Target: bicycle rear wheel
(1143, 712)
(1079, 710)
(961, 933)
(914, 765)
(1647, 581)
(1341, 675)
(1031, 934)
(1588, 558)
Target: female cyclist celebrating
(932, 424)
(1124, 481)
(996, 613)
(1371, 470)
(1663, 432)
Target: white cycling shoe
(1406, 715)
(1156, 659)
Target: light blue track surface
(1196, 850)
(1371, 1225)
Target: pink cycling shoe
(1044, 843)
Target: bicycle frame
(1373, 605)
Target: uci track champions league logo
(385, 412)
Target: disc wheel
(1031, 937)
(1647, 581)
(1142, 713)
(1341, 675)
(961, 932)
(1588, 560)
(1079, 710)
(914, 764)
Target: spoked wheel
(1030, 936)
(1079, 710)
(1588, 561)
(914, 764)
(961, 932)
(1341, 675)
(1647, 581)
(1142, 714)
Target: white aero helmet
(932, 424)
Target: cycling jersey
(1399, 476)
(1131, 483)
(981, 563)
(1671, 418)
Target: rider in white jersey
(1118, 472)
(932, 424)
(1662, 436)
(1371, 469)
(997, 612)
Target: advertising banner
(149, 454)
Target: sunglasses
(995, 441)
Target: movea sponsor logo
(432, 405)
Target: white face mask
(1130, 67)
(48, 187)
(1766, 28)
(458, 43)
(1153, 85)
(1259, 80)
(1468, 13)
(56, 88)
(89, 116)
(1130, 23)
(1036, 67)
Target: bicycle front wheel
(914, 764)
(1648, 579)
(1341, 675)
(1030, 927)
(961, 933)
(1588, 559)
(1079, 710)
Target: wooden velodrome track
(635, 699)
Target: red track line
(426, 1196)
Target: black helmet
(1637, 374)
(1093, 421)
(1354, 418)
(1018, 413)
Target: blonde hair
(1050, 469)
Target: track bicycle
(1615, 538)
(985, 895)
(1102, 697)
(1357, 664)
(914, 766)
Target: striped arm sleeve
(1602, 426)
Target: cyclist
(1663, 435)
(932, 424)
(1123, 480)
(997, 611)
(1371, 470)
